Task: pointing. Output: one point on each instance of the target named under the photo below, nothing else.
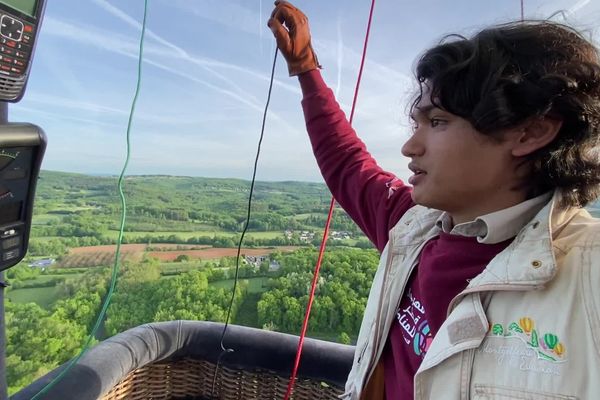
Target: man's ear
(534, 134)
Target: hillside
(84, 210)
(74, 206)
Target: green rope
(115, 269)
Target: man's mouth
(415, 169)
(418, 174)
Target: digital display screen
(25, 6)
(10, 212)
(11, 242)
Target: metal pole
(3, 385)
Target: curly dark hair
(509, 73)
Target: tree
(182, 258)
(343, 338)
(38, 342)
(342, 291)
(264, 267)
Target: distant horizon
(111, 175)
(594, 204)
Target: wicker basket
(177, 360)
(189, 378)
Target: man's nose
(413, 146)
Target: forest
(177, 263)
(39, 339)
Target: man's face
(457, 169)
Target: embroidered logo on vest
(547, 346)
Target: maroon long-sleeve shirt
(376, 200)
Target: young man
(489, 281)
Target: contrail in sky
(578, 6)
(260, 25)
(182, 53)
(203, 63)
(340, 56)
(129, 49)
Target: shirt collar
(499, 225)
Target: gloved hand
(293, 42)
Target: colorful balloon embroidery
(547, 346)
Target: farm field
(255, 285)
(175, 268)
(171, 246)
(213, 253)
(79, 259)
(187, 235)
(45, 297)
(109, 248)
(98, 258)
(45, 219)
(92, 256)
(43, 293)
(42, 296)
(47, 278)
(305, 215)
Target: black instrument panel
(22, 148)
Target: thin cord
(522, 11)
(311, 296)
(239, 248)
(121, 229)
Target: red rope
(326, 231)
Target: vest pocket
(486, 392)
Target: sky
(205, 76)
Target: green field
(46, 239)
(306, 215)
(42, 279)
(44, 219)
(179, 267)
(255, 285)
(43, 296)
(264, 235)
(46, 296)
(46, 278)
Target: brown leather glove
(293, 42)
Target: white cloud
(231, 13)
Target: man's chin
(417, 196)
(422, 199)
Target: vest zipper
(386, 271)
(468, 374)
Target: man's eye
(435, 122)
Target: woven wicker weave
(190, 378)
